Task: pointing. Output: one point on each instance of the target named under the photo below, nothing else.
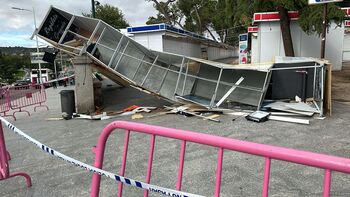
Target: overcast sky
(16, 27)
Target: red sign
(253, 29)
(274, 16)
(347, 23)
(347, 11)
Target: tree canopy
(11, 67)
(111, 15)
(231, 17)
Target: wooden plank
(327, 105)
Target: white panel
(151, 40)
(182, 47)
(254, 49)
(334, 46)
(270, 38)
(270, 43)
(346, 53)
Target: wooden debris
(136, 116)
(288, 119)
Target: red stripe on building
(273, 16)
(253, 29)
(347, 23)
(347, 11)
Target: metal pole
(93, 8)
(54, 65)
(37, 47)
(324, 31)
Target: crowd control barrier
(4, 103)
(4, 164)
(27, 95)
(74, 162)
(326, 162)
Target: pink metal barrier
(4, 165)
(5, 103)
(27, 95)
(326, 162)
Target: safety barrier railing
(4, 164)
(27, 95)
(326, 162)
(119, 179)
(5, 102)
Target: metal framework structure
(172, 76)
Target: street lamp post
(36, 38)
(93, 8)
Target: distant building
(46, 75)
(267, 42)
(167, 38)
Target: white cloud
(16, 22)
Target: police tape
(117, 178)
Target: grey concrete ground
(242, 175)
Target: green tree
(111, 15)
(11, 67)
(168, 12)
(310, 19)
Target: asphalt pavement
(242, 173)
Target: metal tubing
(149, 71)
(179, 76)
(125, 153)
(164, 76)
(184, 85)
(138, 67)
(268, 151)
(268, 75)
(93, 33)
(121, 55)
(218, 172)
(150, 161)
(201, 78)
(314, 84)
(265, 191)
(216, 90)
(78, 35)
(98, 40)
(293, 68)
(116, 50)
(181, 165)
(66, 30)
(322, 90)
(327, 183)
(223, 98)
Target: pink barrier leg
(181, 165)
(265, 191)
(149, 165)
(125, 153)
(25, 175)
(20, 110)
(40, 105)
(218, 172)
(4, 166)
(327, 183)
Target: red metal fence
(4, 164)
(4, 102)
(326, 162)
(27, 95)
